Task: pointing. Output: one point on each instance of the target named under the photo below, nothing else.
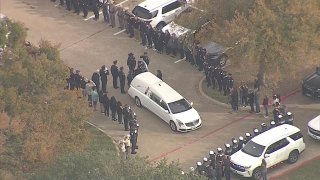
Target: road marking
(122, 2)
(119, 32)
(91, 17)
(197, 8)
(178, 60)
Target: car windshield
(143, 13)
(179, 106)
(253, 149)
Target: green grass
(308, 172)
(214, 93)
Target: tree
(277, 36)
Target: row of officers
(217, 165)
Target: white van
(314, 128)
(281, 143)
(159, 12)
(157, 96)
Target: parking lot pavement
(86, 45)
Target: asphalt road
(86, 45)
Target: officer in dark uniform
(130, 77)
(220, 155)
(264, 127)
(219, 170)
(212, 157)
(68, 4)
(95, 9)
(225, 86)
(122, 78)
(289, 118)
(199, 167)
(76, 6)
(256, 132)
(133, 140)
(241, 143)
(206, 68)
(272, 124)
(84, 6)
(115, 74)
(126, 117)
(106, 104)
(131, 62)
(230, 83)
(145, 58)
(96, 79)
(104, 72)
(248, 138)
(220, 78)
(235, 146)
(119, 112)
(228, 149)
(281, 119)
(227, 171)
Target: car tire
(293, 156)
(160, 25)
(223, 60)
(257, 174)
(137, 102)
(173, 126)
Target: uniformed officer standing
(120, 14)
(112, 11)
(68, 4)
(95, 9)
(84, 6)
(228, 149)
(133, 140)
(225, 86)
(241, 142)
(264, 127)
(212, 157)
(122, 78)
(219, 170)
(105, 11)
(227, 171)
(115, 74)
(126, 117)
(272, 124)
(131, 62)
(289, 118)
(76, 6)
(235, 145)
(256, 132)
(248, 138)
(104, 72)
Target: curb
(210, 98)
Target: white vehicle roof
(154, 4)
(157, 86)
(275, 134)
(315, 123)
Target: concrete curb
(210, 98)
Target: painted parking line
(122, 2)
(91, 17)
(178, 60)
(119, 32)
(162, 155)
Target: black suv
(216, 54)
(311, 85)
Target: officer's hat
(227, 145)
(138, 125)
(205, 159)
(248, 134)
(289, 113)
(211, 152)
(272, 123)
(280, 116)
(241, 138)
(263, 125)
(255, 130)
(134, 114)
(234, 141)
(219, 149)
(199, 163)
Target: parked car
(216, 54)
(152, 93)
(281, 143)
(172, 27)
(314, 128)
(159, 12)
(311, 85)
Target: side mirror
(266, 155)
(167, 111)
(191, 103)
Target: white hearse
(152, 93)
(314, 128)
(281, 143)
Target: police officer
(199, 167)
(289, 118)
(205, 165)
(122, 78)
(145, 58)
(95, 8)
(84, 6)
(272, 124)
(104, 72)
(76, 6)
(68, 4)
(241, 143)
(112, 11)
(225, 81)
(105, 11)
(133, 140)
(219, 170)
(220, 155)
(131, 62)
(235, 146)
(256, 132)
(115, 74)
(248, 138)
(126, 117)
(227, 171)
(228, 149)
(212, 157)
(264, 127)
(280, 119)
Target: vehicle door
(165, 113)
(278, 152)
(154, 104)
(171, 10)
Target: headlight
(179, 122)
